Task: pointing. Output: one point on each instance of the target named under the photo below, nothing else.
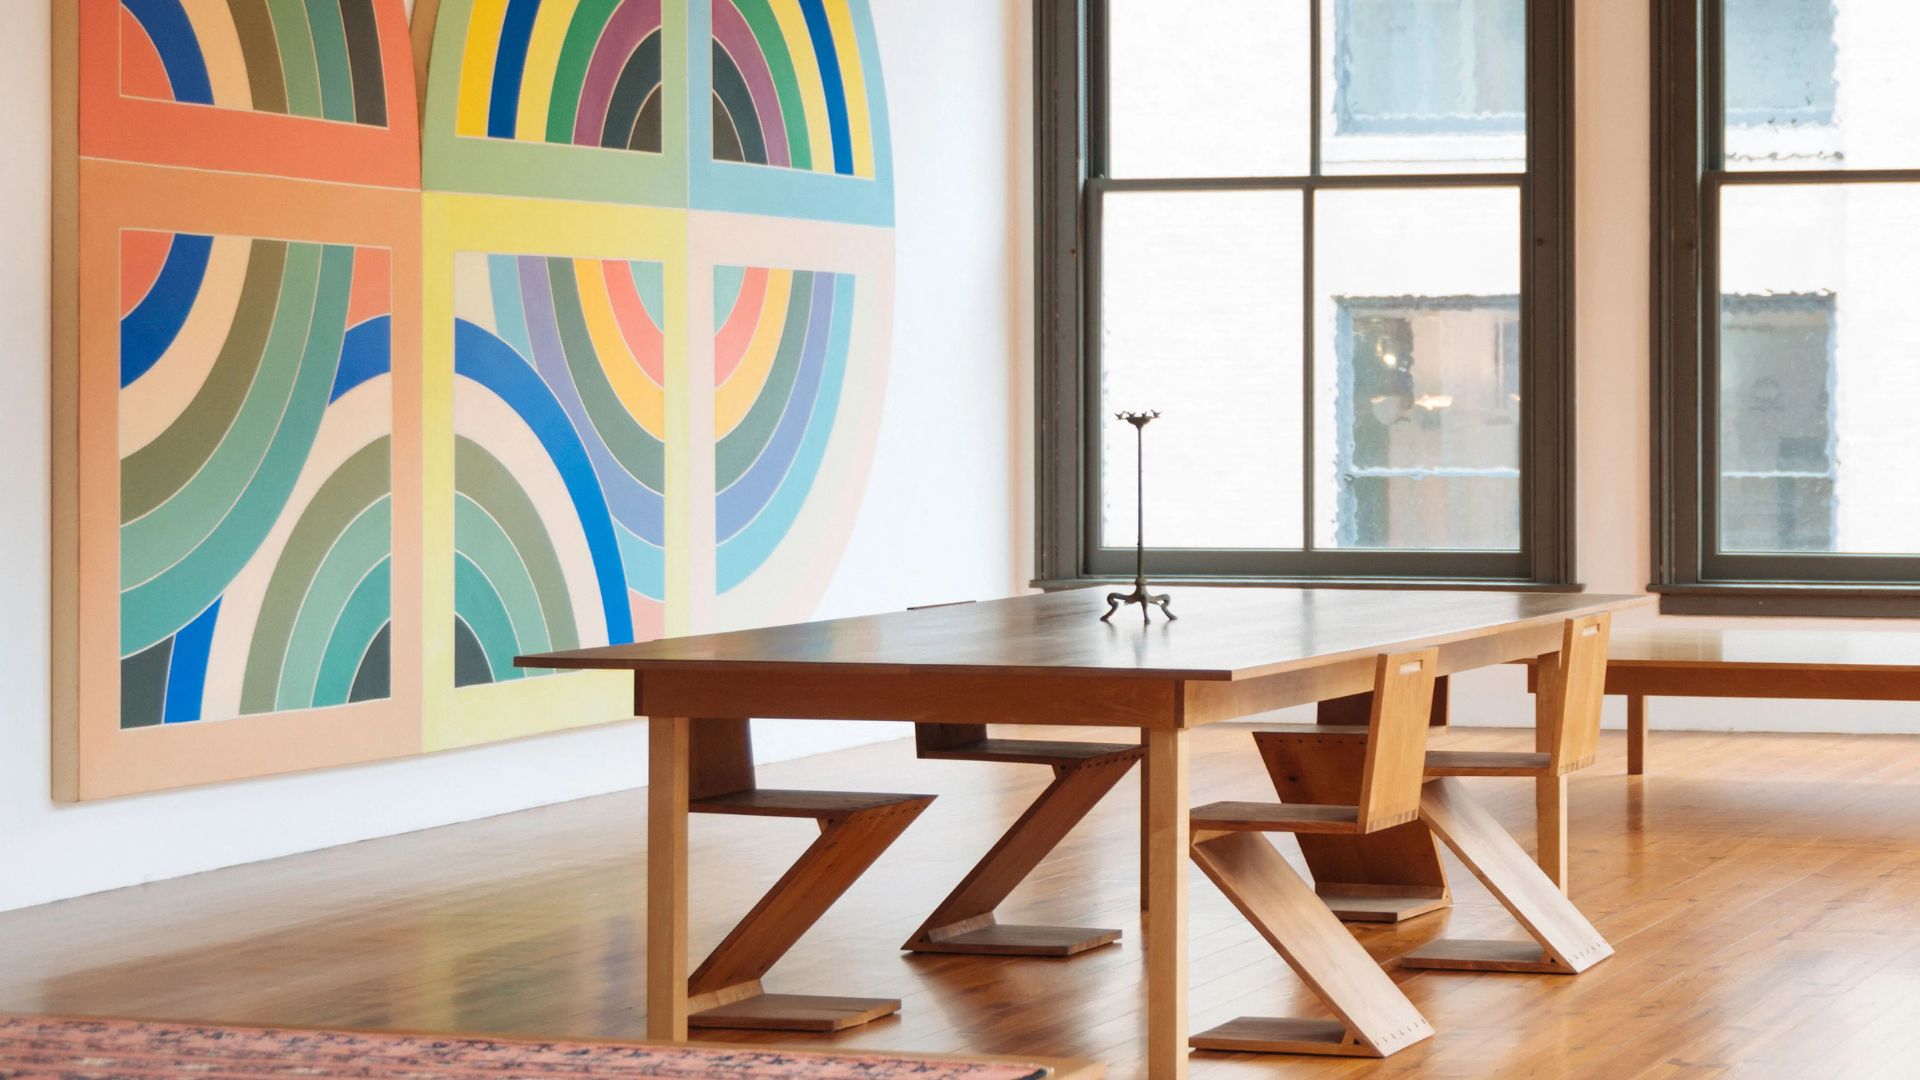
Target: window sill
(1249, 582)
(1790, 600)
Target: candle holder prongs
(1140, 594)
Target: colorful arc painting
(780, 359)
(256, 510)
(789, 87)
(302, 89)
(559, 457)
(370, 399)
(570, 72)
(320, 61)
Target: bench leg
(1550, 806)
(1636, 734)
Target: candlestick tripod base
(1146, 600)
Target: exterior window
(1421, 67)
(1787, 479)
(1777, 460)
(1325, 240)
(1780, 62)
(1429, 415)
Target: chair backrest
(1572, 690)
(1397, 739)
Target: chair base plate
(1283, 1035)
(1369, 908)
(795, 1012)
(1001, 939)
(1468, 954)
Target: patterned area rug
(33, 1048)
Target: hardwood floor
(1762, 893)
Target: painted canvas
(789, 87)
(559, 397)
(256, 476)
(376, 375)
(779, 362)
(314, 91)
(581, 74)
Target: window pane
(1819, 380)
(1200, 309)
(1424, 86)
(1822, 84)
(1219, 88)
(1417, 369)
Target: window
(1778, 461)
(1416, 67)
(1780, 63)
(1326, 240)
(1429, 394)
(1787, 355)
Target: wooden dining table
(1048, 659)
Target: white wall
(948, 455)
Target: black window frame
(1070, 180)
(1691, 574)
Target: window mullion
(1307, 306)
(1308, 323)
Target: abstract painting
(551, 99)
(320, 61)
(319, 90)
(256, 476)
(559, 457)
(586, 73)
(780, 359)
(787, 113)
(555, 361)
(375, 375)
(789, 88)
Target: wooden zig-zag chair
(1571, 689)
(1563, 941)
(855, 828)
(1568, 734)
(1083, 773)
(1372, 1017)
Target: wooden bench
(1843, 665)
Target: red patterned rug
(45, 1048)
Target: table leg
(668, 741)
(1167, 844)
(1146, 824)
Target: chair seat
(822, 805)
(1275, 817)
(1034, 752)
(1487, 763)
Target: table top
(1223, 634)
(1775, 649)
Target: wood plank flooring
(1762, 893)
